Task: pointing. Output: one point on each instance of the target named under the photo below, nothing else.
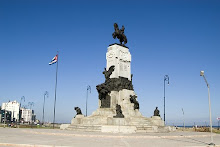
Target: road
(20, 137)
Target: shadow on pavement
(190, 140)
(198, 141)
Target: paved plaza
(54, 137)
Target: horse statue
(120, 34)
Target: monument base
(103, 120)
(118, 106)
(119, 128)
(107, 123)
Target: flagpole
(55, 91)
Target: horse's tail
(125, 39)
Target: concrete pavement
(20, 137)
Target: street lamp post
(22, 98)
(210, 113)
(166, 78)
(88, 89)
(183, 119)
(31, 104)
(45, 94)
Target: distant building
(27, 115)
(14, 107)
(15, 113)
(4, 115)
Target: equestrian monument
(118, 106)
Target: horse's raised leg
(114, 35)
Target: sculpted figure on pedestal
(78, 111)
(133, 99)
(156, 112)
(109, 72)
(118, 112)
(119, 34)
(105, 88)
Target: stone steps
(136, 123)
(85, 128)
(98, 128)
(140, 121)
(145, 129)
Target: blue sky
(178, 38)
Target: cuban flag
(54, 60)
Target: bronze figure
(156, 112)
(133, 99)
(119, 33)
(118, 112)
(78, 111)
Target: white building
(26, 115)
(14, 107)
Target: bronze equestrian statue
(120, 34)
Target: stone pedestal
(77, 119)
(119, 57)
(157, 120)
